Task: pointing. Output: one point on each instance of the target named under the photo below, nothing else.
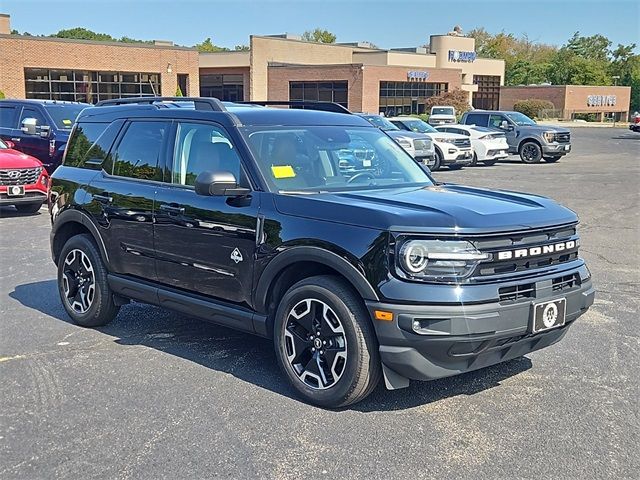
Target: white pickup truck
(442, 115)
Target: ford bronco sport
(248, 217)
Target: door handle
(16, 139)
(103, 198)
(171, 209)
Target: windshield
(64, 115)
(442, 111)
(380, 122)
(3, 146)
(325, 158)
(520, 119)
(419, 126)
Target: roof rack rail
(303, 104)
(200, 103)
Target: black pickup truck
(253, 217)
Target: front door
(495, 121)
(34, 144)
(204, 244)
(121, 197)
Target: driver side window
(203, 147)
(495, 121)
(32, 113)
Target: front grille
(565, 283)
(20, 176)
(517, 292)
(422, 144)
(525, 240)
(462, 142)
(564, 137)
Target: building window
(405, 98)
(225, 87)
(488, 95)
(319, 91)
(88, 86)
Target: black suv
(39, 128)
(250, 217)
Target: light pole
(615, 82)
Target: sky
(386, 23)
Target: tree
(1, 94)
(207, 46)
(179, 92)
(319, 35)
(456, 98)
(80, 33)
(626, 65)
(595, 47)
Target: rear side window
(90, 144)
(8, 116)
(137, 154)
(478, 119)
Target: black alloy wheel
(530, 152)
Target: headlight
(550, 137)
(404, 143)
(445, 140)
(439, 259)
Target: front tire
(552, 159)
(29, 208)
(530, 152)
(456, 166)
(82, 283)
(490, 163)
(325, 342)
(474, 162)
(438, 162)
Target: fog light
(416, 325)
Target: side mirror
(219, 184)
(29, 125)
(9, 144)
(504, 125)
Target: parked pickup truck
(442, 115)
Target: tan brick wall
(568, 98)
(17, 52)
(244, 71)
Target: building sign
(459, 56)
(601, 100)
(417, 75)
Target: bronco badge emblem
(236, 256)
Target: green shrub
(179, 92)
(532, 107)
(1, 94)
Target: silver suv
(526, 138)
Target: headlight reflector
(439, 259)
(550, 137)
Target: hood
(546, 128)
(408, 134)
(446, 135)
(453, 209)
(10, 158)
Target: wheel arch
(70, 223)
(298, 263)
(529, 139)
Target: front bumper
(30, 196)
(459, 338)
(556, 149)
(454, 154)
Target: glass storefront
(322, 91)
(488, 95)
(225, 87)
(88, 86)
(405, 98)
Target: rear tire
(552, 159)
(82, 283)
(530, 152)
(325, 342)
(28, 207)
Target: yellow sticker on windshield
(66, 121)
(283, 171)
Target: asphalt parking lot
(157, 394)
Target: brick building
(357, 75)
(88, 71)
(570, 101)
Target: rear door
(205, 244)
(478, 119)
(122, 196)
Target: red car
(24, 183)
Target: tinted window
(476, 119)
(495, 121)
(199, 148)
(29, 112)
(8, 116)
(136, 156)
(90, 144)
(64, 115)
